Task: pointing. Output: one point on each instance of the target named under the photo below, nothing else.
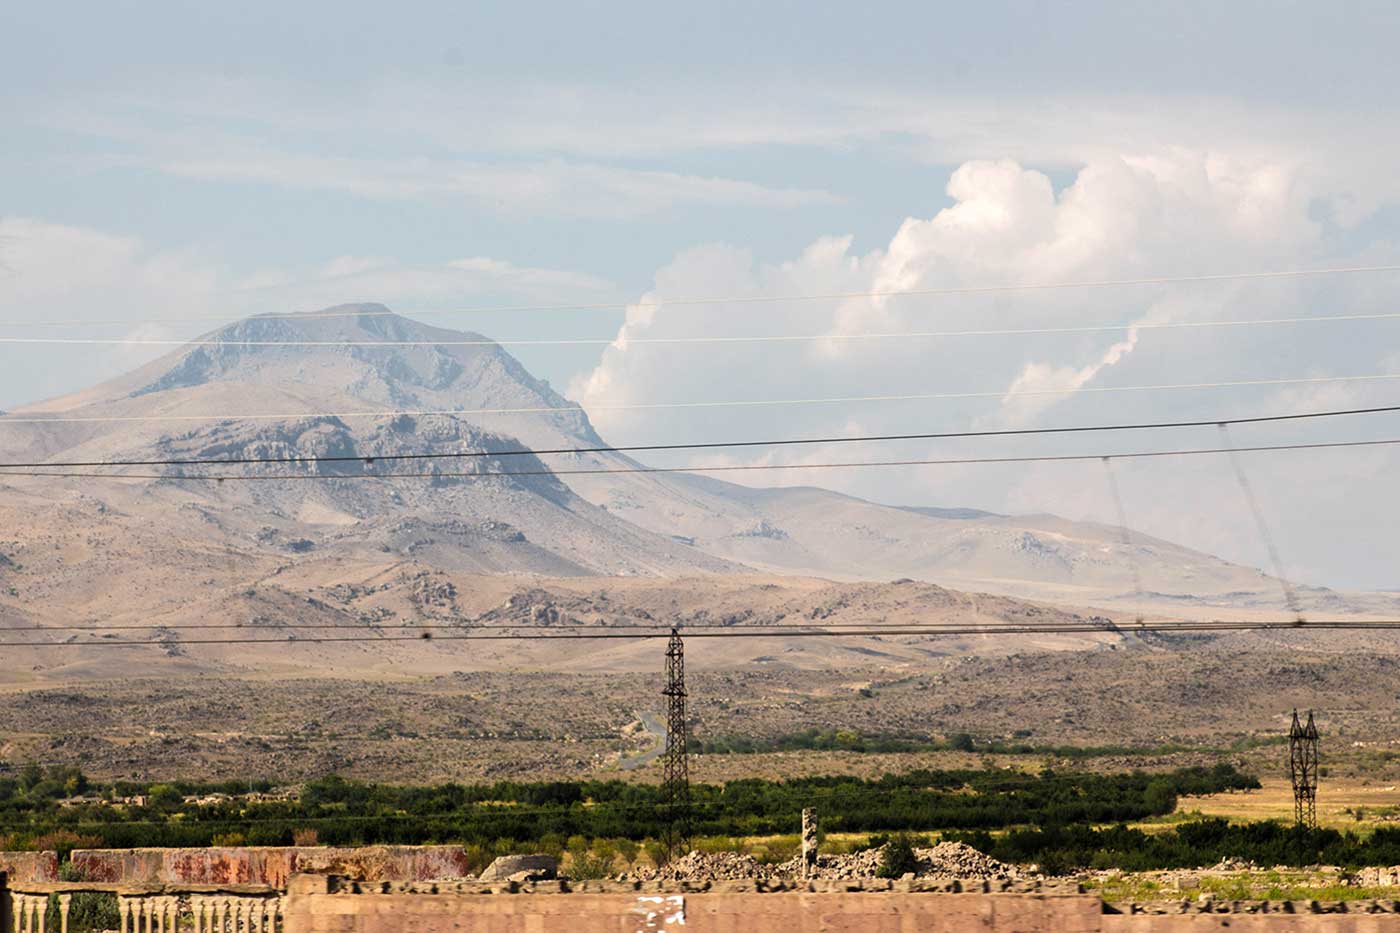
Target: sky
(172, 161)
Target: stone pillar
(64, 901)
(809, 842)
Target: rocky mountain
(147, 548)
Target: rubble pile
(1377, 877)
(705, 866)
(947, 860)
(956, 860)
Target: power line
(656, 406)
(732, 468)
(706, 445)
(1034, 628)
(694, 339)
(767, 299)
(367, 627)
(1289, 599)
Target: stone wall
(1254, 923)
(270, 865)
(331, 905)
(29, 866)
(711, 912)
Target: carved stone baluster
(64, 901)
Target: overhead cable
(684, 339)
(695, 468)
(703, 445)
(766, 299)
(1003, 394)
(856, 631)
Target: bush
(88, 912)
(628, 850)
(589, 864)
(898, 858)
(1160, 797)
(656, 852)
(306, 836)
(64, 841)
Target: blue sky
(165, 160)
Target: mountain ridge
(238, 391)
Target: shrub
(586, 864)
(898, 858)
(656, 852)
(64, 841)
(628, 850)
(306, 836)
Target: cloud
(62, 273)
(1176, 212)
(407, 286)
(485, 134)
(553, 188)
(1041, 384)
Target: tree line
(346, 812)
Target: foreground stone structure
(324, 905)
(268, 865)
(328, 904)
(29, 866)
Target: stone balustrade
(37, 908)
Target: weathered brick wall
(1254, 923)
(271, 865)
(698, 913)
(29, 866)
(322, 905)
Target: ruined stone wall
(270, 865)
(697, 913)
(1254, 923)
(29, 866)
(330, 905)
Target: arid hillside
(358, 382)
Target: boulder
(522, 868)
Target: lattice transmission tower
(1302, 769)
(676, 789)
